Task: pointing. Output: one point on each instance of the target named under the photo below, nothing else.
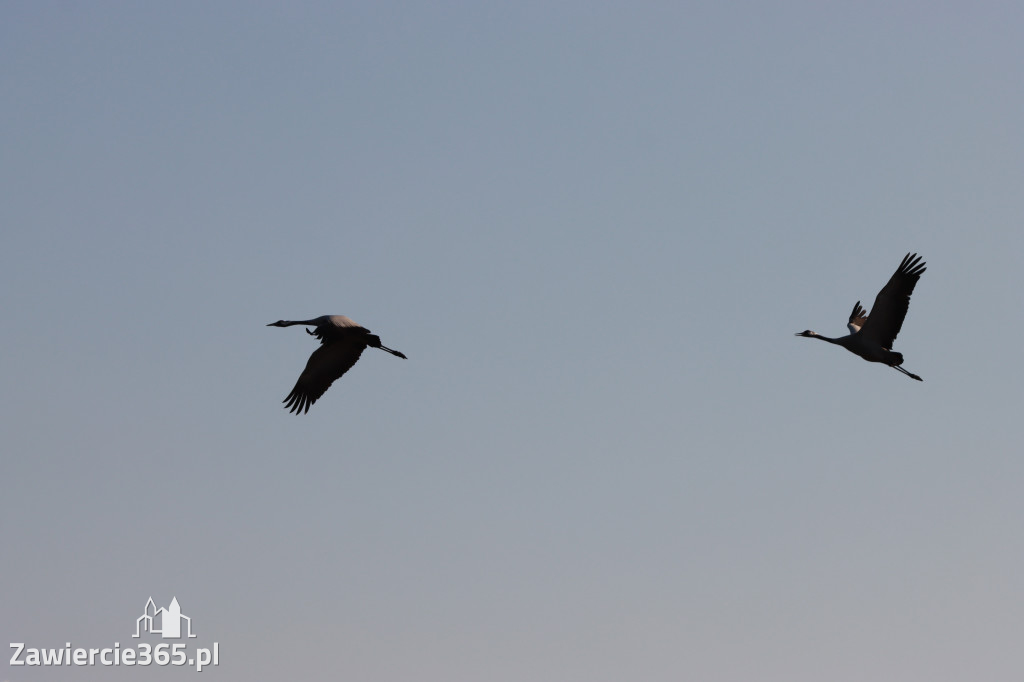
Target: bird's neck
(838, 342)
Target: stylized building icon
(165, 622)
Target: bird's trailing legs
(400, 354)
(374, 342)
(909, 374)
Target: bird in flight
(871, 336)
(341, 343)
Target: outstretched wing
(327, 364)
(857, 318)
(892, 302)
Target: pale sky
(594, 229)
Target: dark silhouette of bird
(341, 343)
(871, 336)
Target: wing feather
(327, 364)
(892, 302)
(857, 318)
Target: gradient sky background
(594, 229)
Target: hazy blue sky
(594, 229)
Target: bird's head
(279, 323)
(807, 332)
